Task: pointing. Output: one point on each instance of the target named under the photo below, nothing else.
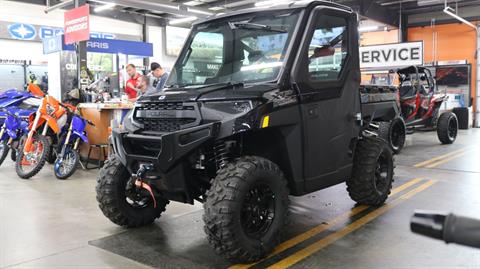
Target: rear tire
(4, 148)
(41, 162)
(372, 174)
(13, 155)
(447, 128)
(112, 199)
(245, 209)
(394, 133)
(52, 156)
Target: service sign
(77, 24)
(391, 55)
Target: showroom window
(328, 48)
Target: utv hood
(210, 93)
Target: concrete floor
(47, 223)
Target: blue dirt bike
(12, 131)
(19, 102)
(70, 139)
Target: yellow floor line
(323, 227)
(322, 243)
(435, 164)
(427, 162)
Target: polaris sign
(22, 31)
(102, 45)
(391, 55)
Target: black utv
(261, 104)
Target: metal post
(476, 108)
(57, 6)
(81, 50)
(146, 60)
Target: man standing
(159, 76)
(131, 88)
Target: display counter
(103, 115)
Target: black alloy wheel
(258, 210)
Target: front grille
(165, 125)
(166, 106)
(166, 116)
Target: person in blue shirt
(145, 87)
(159, 76)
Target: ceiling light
(193, 10)
(448, 10)
(368, 28)
(216, 8)
(271, 3)
(193, 3)
(104, 7)
(182, 20)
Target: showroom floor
(47, 223)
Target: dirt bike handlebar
(447, 227)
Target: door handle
(312, 112)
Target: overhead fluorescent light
(239, 3)
(193, 10)
(448, 10)
(271, 3)
(182, 20)
(193, 3)
(216, 8)
(368, 28)
(104, 7)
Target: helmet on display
(74, 97)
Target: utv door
(327, 75)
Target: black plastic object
(449, 228)
(462, 115)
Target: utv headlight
(230, 107)
(129, 123)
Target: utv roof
(287, 6)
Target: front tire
(42, 150)
(67, 165)
(114, 203)
(447, 128)
(372, 175)
(4, 148)
(394, 133)
(245, 209)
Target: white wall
(33, 14)
(156, 36)
(22, 50)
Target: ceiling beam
(161, 6)
(374, 11)
(440, 7)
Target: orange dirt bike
(44, 127)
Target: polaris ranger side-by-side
(419, 109)
(261, 104)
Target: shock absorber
(221, 153)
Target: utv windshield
(242, 49)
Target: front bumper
(163, 151)
(168, 154)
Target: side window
(328, 48)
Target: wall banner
(391, 55)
